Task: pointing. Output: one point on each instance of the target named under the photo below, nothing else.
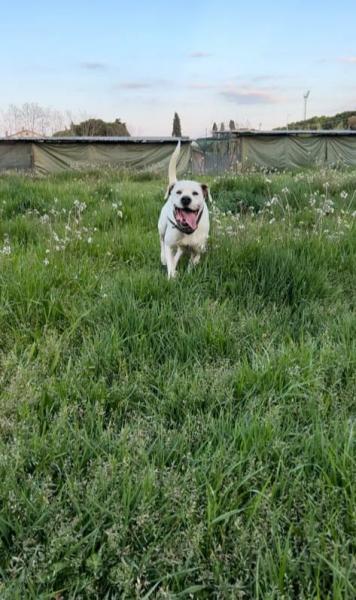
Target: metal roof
(282, 132)
(96, 140)
(313, 132)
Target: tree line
(344, 120)
(31, 118)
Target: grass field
(177, 439)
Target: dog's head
(188, 199)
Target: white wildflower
(80, 206)
(6, 249)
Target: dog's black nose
(185, 200)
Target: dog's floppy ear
(169, 189)
(206, 192)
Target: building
(53, 155)
(23, 133)
(283, 149)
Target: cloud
(199, 54)
(347, 59)
(261, 78)
(93, 66)
(134, 85)
(351, 60)
(200, 86)
(247, 96)
(141, 84)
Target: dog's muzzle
(187, 220)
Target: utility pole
(305, 96)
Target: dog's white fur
(173, 241)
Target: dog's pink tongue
(191, 219)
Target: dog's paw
(163, 259)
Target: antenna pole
(306, 96)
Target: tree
(222, 127)
(177, 130)
(323, 122)
(95, 127)
(232, 125)
(32, 117)
(48, 121)
(351, 122)
(214, 129)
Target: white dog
(184, 220)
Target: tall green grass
(187, 438)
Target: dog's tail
(172, 169)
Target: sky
(141, 61)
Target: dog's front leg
(170, 260)
(163, 252)
(194, 260)
(177, 256)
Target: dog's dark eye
(179, 192)
(195, 194)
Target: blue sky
(207, 60)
